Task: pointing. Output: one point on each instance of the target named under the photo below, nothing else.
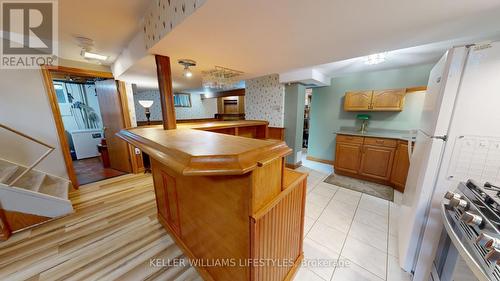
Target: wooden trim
(324, 161)
(164, 74)
(229, 93)
(79, 72)
(293, 166)
(56, 113)
(416, 89)
(127, 122)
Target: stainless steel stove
(471, 216)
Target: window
(61, 95)
(182, 100)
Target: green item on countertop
(363, 117)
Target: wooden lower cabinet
(400, 166)
(347, 157)
(379, 160)
(376, 162)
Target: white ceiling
(423, 54)
(262, 37)
(110, 23)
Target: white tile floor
(354, 230)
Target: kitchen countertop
(379, 133)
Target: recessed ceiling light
(376, 58)
(94, 56)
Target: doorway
(88, 109)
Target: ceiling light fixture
(93, 56)
(187, 63)
(221, 78)
(376, 58)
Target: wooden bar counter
(227, 200)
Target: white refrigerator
(458, 137)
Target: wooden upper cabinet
(400, 166)
(388, 100)
(347, 157)
(380, 100)
(376, 162)
(358, 101)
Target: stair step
(55, 187)
(6, 173)
(31, 181)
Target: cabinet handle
(379, 141)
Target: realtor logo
(29, 34)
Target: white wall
(24, 106)
(199, 108)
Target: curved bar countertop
(192, 150)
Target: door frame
(51, 94)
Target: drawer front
(349, 139)
(381, 142)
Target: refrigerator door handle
(443, 138)
(409, 149)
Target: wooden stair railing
(50, 149)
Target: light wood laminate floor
(112, 235)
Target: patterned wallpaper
(163, 15)
(265, 100)
(199, 108)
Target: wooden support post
(166, 95)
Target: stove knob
(459, 203)
(484, 239)
(472, 219)
(493, 256)
(450, 195)
(488, 241)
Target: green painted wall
(327, 114)
(295, 96)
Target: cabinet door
(357, 101)
(400, 167)
(347, 157)
(376, 162)
(166, 199)
(388, 100)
